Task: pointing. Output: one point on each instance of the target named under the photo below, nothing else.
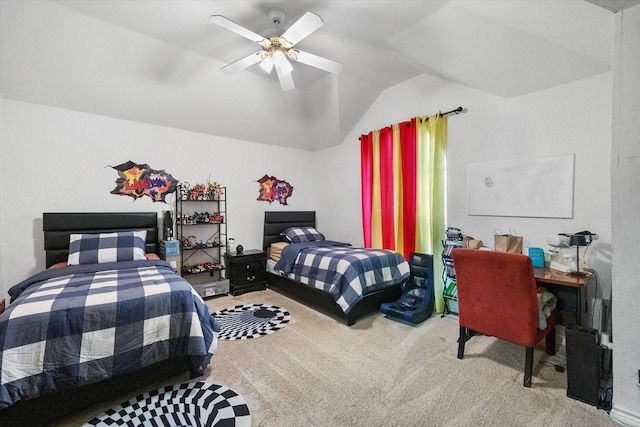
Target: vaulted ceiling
(159, 61)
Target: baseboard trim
(625, 417)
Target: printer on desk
(561, 256)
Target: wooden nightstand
(247, 271)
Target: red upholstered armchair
(497, 296)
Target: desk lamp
(579, 239)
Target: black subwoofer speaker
(583, 364)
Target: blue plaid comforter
(345, 272)
(78, 325)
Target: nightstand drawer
(250, 277)
(252, 266)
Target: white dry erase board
(541, 187)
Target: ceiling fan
(278, 49)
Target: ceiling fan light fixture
(267, 64)
(281, 61)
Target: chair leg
(528, 366)
(550, 340)
(461, 341)
(465, 335)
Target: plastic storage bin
(537, 257)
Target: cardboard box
(175, 264)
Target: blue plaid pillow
(302, 234)
(106, 247)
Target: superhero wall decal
(138, 180)
(273, 189)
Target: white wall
(625, 165)
(1, 193)
(56, 160)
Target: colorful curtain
(403, 189)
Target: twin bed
(105, 316)
(332, 277)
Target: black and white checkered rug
(243, 322)
(196, 404)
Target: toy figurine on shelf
(197, 192)
(188, 219)
(216, 218)
(209, 191)
(183, 188)
(189, 242)
(215, 189)
(202, 267)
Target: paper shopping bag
(507, 242)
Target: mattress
(270, 267)
(275, 251)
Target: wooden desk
(570, 291)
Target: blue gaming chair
(416, 303)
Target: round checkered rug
(196, 404)
(243, 322)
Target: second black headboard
(275, 222)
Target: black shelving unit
(201, 229)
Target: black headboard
(276, 222)
(58, 227)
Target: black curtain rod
(456, 111)
(446, 113)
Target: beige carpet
(319, 372)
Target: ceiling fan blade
(316, 61)
(236, 28)
(307, 24)
(283, 69)
(243, 63)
